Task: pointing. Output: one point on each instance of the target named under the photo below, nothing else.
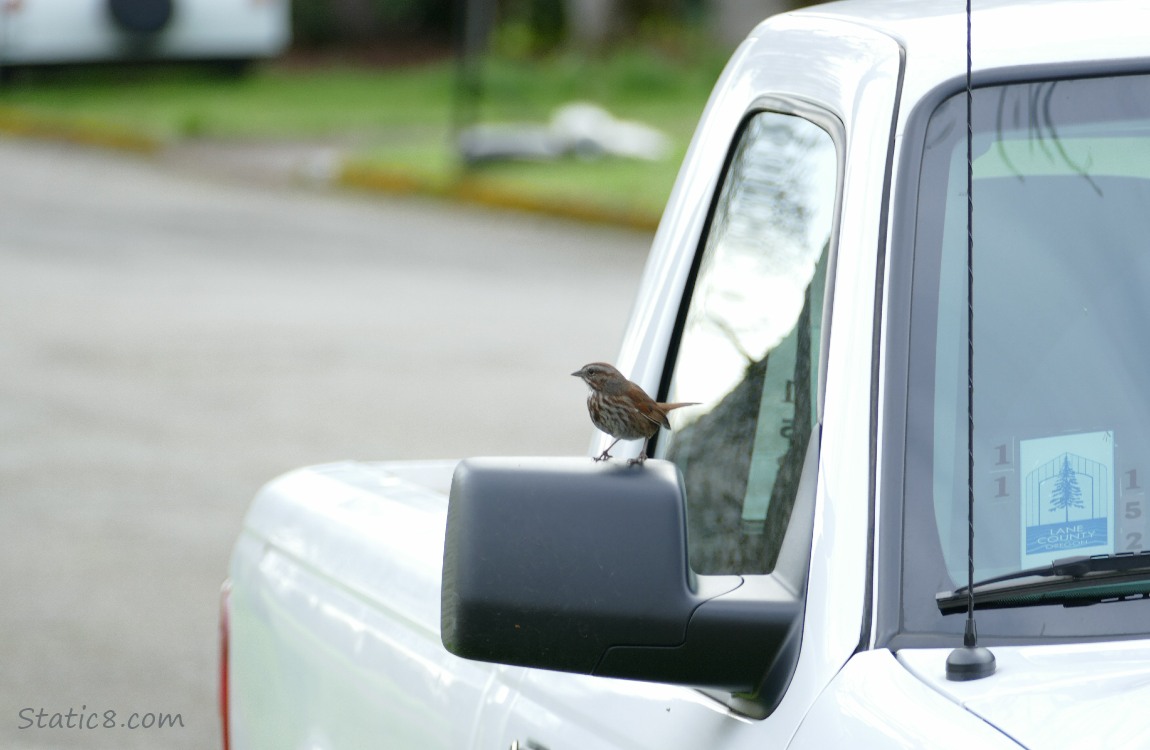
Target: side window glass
(750, 344)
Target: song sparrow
(622, 409)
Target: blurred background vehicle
(52, 32)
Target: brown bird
(622, 409)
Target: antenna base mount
(969, 663)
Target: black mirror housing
(577, 566)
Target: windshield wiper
(1068, 581)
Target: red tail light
(225, 632)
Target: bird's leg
(606, 454)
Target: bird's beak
(577, 373)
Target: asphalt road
(170, 340)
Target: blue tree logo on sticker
(1067, 494)
(1067, 497)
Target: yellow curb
(26, 124)
(365, 178)
(471, 190)
(18, 122)
(489, 195)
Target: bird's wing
(654, 412)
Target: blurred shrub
(526, 30)
(523, 27)
(324, 22)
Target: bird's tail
(668, 407)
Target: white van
(50, 32)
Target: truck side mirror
(571, 565)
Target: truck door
(750, 348)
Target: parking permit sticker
(1067, 496)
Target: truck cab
(905, 355)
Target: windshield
(1061, 348)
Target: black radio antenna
(970, 661)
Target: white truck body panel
(1069, 695)
(343, 556)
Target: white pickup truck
(790, 567)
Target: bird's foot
(637, 461)
(602, 456)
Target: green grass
(173, 103)
(395, 121)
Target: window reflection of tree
(760, 245)
(718, 450)
(1032, 106)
